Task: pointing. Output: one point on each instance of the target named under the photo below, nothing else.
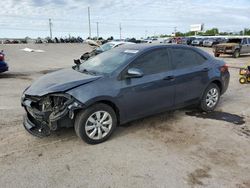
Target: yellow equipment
(244, 75)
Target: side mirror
(134, 73)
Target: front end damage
(49, 113)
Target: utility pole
(97, 30)
(120, 27)
(175, 30)
(146, 33)
(50, 28)
(89, 22)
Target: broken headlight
(55, 102)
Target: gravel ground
(172, 149)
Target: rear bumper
(223, 51)
(225, 82)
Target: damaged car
(122, 85)
(103, 48)
(234, 47)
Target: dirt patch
(245, 184)
(165, 128)
(244, 130)
(221, 116)
(196, 177)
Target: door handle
(169, 78)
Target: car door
(191, 74)
(154, 91)
(248, 46)
(245, 46)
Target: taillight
(1, 57)
(224, 68)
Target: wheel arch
(108, 102)
(218, 83)
(214, 81)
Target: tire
(243, 80)
(236, 54)
(210, 98)
(217, 55)
(88, 125)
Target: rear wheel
(95, 124)
(236, 54)
(210, 98)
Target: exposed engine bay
(49, 112)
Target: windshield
(106, 62)
(105, 47)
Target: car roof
(141, 48)
(146, 46)
(119, 42)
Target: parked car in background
(3, 65)
(197, 42)
(103, 48)
(234, 47)
(121, 85)
(189, 40)
(213, 41)
(110, 45)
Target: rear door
(154, 91)
(191, 74)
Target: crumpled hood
(59, 81)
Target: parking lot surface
(182, 148)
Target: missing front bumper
(39, 129)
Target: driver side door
(154, 91)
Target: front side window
(248, 40)
(244, 41)
(186, 58)
(153, 62)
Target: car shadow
(160, 121)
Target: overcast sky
(20, 18)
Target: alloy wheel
(212, 97)
(98, 125)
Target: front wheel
(236, 54)
(95, 124)
(210, 98)
(217, 55)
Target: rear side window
(153, 62)
(186, 58)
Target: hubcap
(212, 97)
(98, 125)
